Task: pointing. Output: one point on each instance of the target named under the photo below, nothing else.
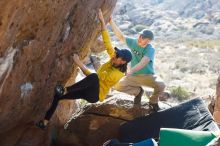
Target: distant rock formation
(171, 18)
(37, 41)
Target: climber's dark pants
(87, 89)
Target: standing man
(142, 69)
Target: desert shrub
(139, 28)
(180, 93)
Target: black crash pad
(192, 115)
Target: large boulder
(38, 39)
(96, 123)
(216, 113)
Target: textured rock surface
(99, 122)
(38, 39)
(216, 113)
(98, 46)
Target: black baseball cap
(147, 34)
(125, 54)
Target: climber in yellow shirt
(95, 86)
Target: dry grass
(204, 43)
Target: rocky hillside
(187, 37)
(171, 19)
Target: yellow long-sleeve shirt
(108, 75)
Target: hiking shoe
(59, 90)
(41, 125)
(137, 99)
(154, 107)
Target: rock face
(38, 39)
(99, 122)
(216, 113)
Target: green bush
(180, 93)
(139, 28)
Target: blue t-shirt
(138, 53)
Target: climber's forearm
(103, 26)
(117, 31)
(84, 69)
(105, 35)
(144, 61)
(102, 20)
(107, 42)
(81, 65)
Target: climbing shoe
(59, 90)
(111, 142)
(41, 125)
(137, 99)
(154, 107)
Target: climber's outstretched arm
(105, 35)
(117, 31)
